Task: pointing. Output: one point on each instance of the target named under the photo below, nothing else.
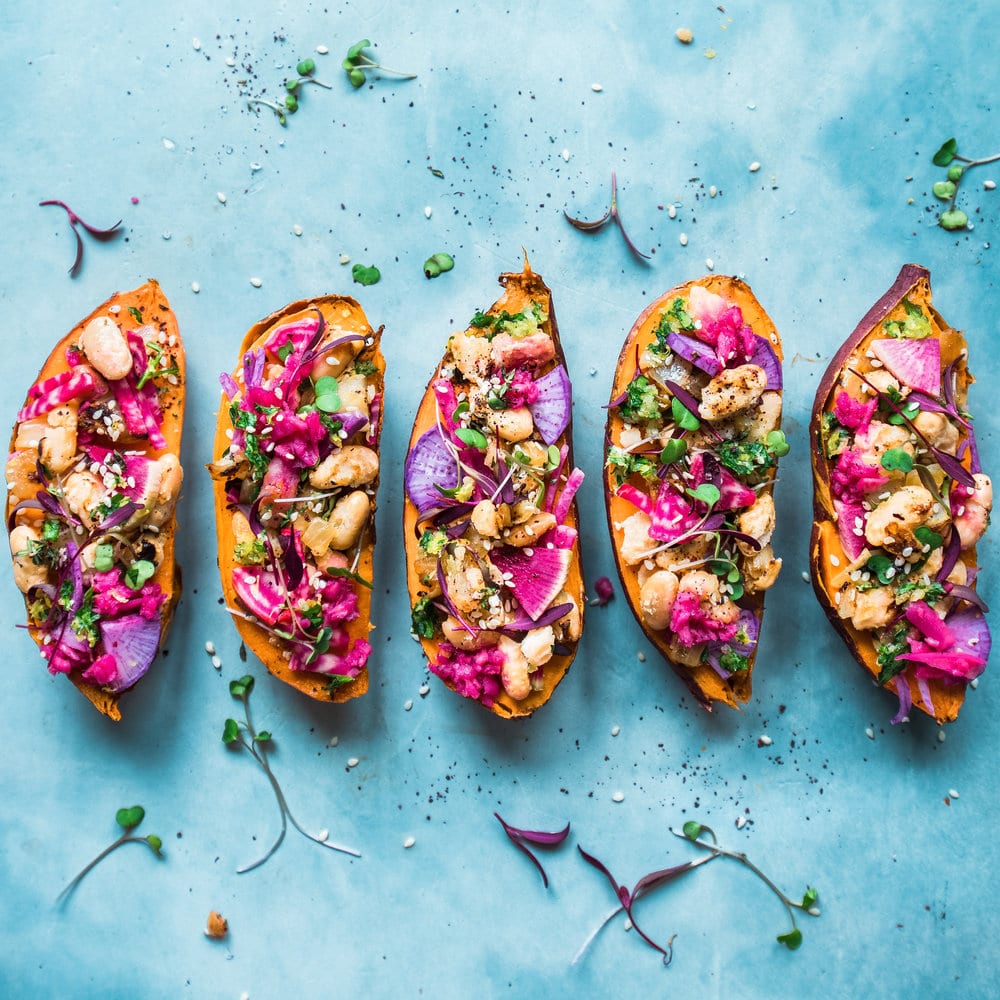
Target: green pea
(291, 86)
(944, 190)
(357, 78)
(445, 261)
(955, 219)
(306, 68)
(291, 104)
(955, 172)
(431, 268)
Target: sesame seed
(672, 211)
(952, 794)
(256, 282)
(424, 690)
(764, 741)
(565, 155)
(942, 736)
(989, 185)
(334, 740)
(217, 663)
(683, 239)
(834, 559)
(712, 191)
(409, 842)
(618, 797)
(596, 88)
(870, 733)
(408, 704)
(353, 761)
(642, 656)
(805, 577)
(323, 835)
(322, 50)
(709, 263)
(196, 44)
(754, 167)
(428, 211)
(297, 229)
(741, 821)
(221, 195)
(615, 730)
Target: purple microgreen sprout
(128, 818)
(356, 63)
(953, 218)
(604, 590)
(74, 221)
(243, 735)
(540, 838)
(611, 215)
(693, 832)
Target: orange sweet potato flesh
(343, 315)
(152, 304)
(521, 289)
(701, 680)
(826, 556)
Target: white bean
(106, 348)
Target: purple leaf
(525, 624)
(952, 550)
(517, 836)
(119, 516)
(452, 610)
(967, 594)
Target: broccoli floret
(432, 542)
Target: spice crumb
(217, 926)
(618, 797)
(409, 842)
(764, 741)
(709, 53)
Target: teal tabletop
(789, 144)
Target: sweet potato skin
(702, 681)
(150, 301)
(343, 313)
(520, 289)
(912, 282)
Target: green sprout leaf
(129, 818)
(155, 843)
(104, 557)
(472, 437)
(953, 219)
(927, 536)
(683, 417)
(231, 730)
(306, 68)
(327, 394)
(810, 898)
(355, 50)
(707, 493)
(946, 153)
(792, 940)
(242, 687)
(674, 450)
(943, 190)
(897, 460)
(263, 736)
(693, 829)
(776, 443)
(366, 275)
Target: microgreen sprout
(539, 838)
(356, 63)
(611, 215)
(366, 275)
(437, 264)
(604, 590)
(128, 818)
(947, 190)
(242, 735)
(74, 221)
(278, 109)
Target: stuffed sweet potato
(295, 480)
(901, 501)
(692, 446)
(93, 478)
(489, 519)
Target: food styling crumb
(764, 741)
(217, 926)
(684, 35)
(409, 842)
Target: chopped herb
(732, 661)
(155, 368)
(473, 438)
(253, 553)
(641, 403)
(927, 536)
(886, 653)
(881, 566)
(745, 458)
(114, 502)
(136, 314)
(433, 542)
(365, 367)
(920, 590)
(424, 619)
(138, 573)
(626, 463)
(835, 437)
(85, 620)
(286, 348)
(674, 319)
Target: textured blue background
(843, 104)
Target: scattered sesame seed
(353, 761)
(344, 259)
(565, 155)
(764, 741)
(989, 185)
(870, 733)
(424, 690)
(256, 282)
(428, 211)
(196, 44)
(409, 842)
(210, 648)
(169, 143)
(751, 106)
(709, 263)
(672, 211)
(165, 234)
(712, 190)
(408, 704)
(805, 577)
(615, 730)
(596, 88)
(741, 821)
(683, 239)
(254, 167)
(952, 794)
(618, 797)
(217, 662)
(942, 736)
(334, 740)
(323, 835)
(322, 50)
(221, 195)
(754, 167)
(230, 61)
(834, 559)
(642, 656)
(297, 229)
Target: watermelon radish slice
(132, 641)
(136, 470)
(535, 579)
(551, 409)
(848, 517)
(916, 363)
(52, 392)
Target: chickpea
(757, 521)
(348, 517)
(656, 599)
(485, 519)
(512, 425)
(465, 585)
(530, 531)
(636, 543)
(462, 638)
(760, 570)
(167, 490)
(82, 492)
(892, 523)
(106, 348)
(26, 573)
(352, 465)
(515, 674)
(938, 429)
(975, 511)
(537, 645)
(867, 609)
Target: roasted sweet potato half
(900, 502)
(296, 474)
(93, 478)
(691, 451)
(489, 519)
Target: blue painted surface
(843, 108)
